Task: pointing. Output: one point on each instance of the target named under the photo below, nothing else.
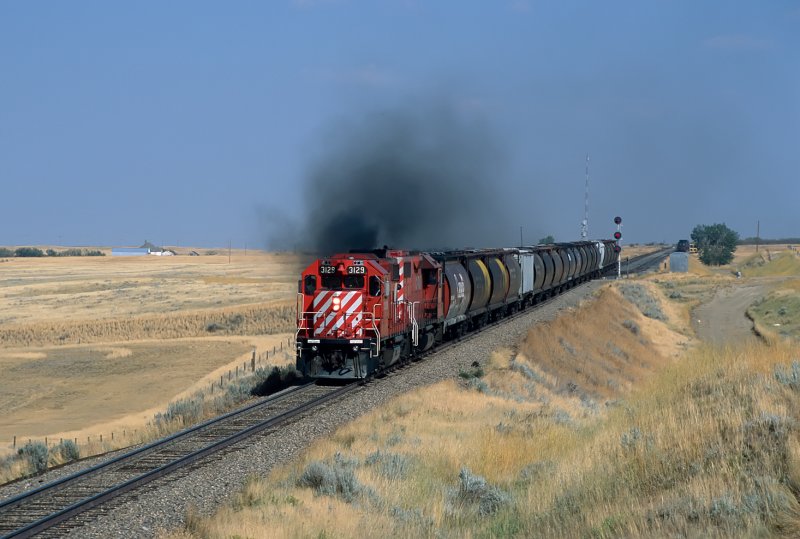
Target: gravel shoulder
(162, 505)
(722, 320)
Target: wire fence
(117, 439)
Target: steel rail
(104, 496)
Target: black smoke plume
(414, 177)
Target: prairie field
(95, 345)
(613, 420)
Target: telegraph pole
(758, 233)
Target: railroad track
(56, 507)
(643, 262)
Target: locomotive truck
(362, 312)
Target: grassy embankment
(601, 425)
(778, 314)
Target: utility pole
(758, 233)
(521, 243)
(585, 222)
(229, 251)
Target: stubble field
(93, 345)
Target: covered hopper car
(360, 313)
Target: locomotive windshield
(335, 281)
(354, 281)
(332, 281)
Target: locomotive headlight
(355, 348)
(314, 348)
(336, 304)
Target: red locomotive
(360, 313)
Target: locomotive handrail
(300, 300)
(414, 324)
(373, 317)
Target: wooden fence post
(14, 445)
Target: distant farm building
(146, 249)
(130, 251)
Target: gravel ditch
(161, 505)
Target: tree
(28, 251)
(715, 243)
(547, 239)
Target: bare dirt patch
(723, 321)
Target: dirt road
(722, 320)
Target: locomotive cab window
(374, 286)
(429, 277)
(310, 284)
(332, 281)
(354, 281)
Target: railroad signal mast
(585, 222)
(617, 244)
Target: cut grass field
(604, 423)
(91, 346)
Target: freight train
(361, 313)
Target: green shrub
(334, 479)
(639, 296)
(36, 454)
(475, 492)
(68, 450)
(390, 465)
(6, 253)
(789, 377)
(186, 411)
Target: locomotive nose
(338, 314)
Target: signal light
(617, 248)
(617, 235)
(617, 220)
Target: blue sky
(196, 123)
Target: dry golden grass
(243, 320)
(75, 391)
(574, 440)
(697, 447)
(95, 345)
(34, 290)
(123, 391)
